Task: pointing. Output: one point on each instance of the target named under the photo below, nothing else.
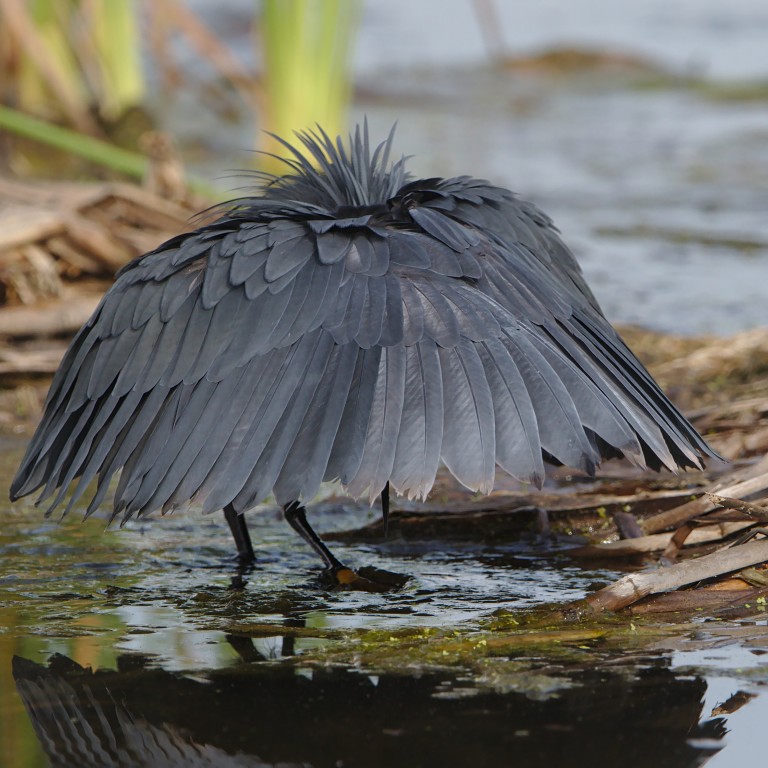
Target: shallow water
(188, 670)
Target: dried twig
(31, 361)
(757, 511)
(635, 586)
(677, 542)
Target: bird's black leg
(240, 533)
(296, 517)
(385, 509)
(367, 579)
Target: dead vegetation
(60, 244)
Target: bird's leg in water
(296, 517)
(367, 579)
(240, 534)
(385, 509)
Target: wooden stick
(97, 241)
(635, 586)
(758, 511)
(23, 224)
(677, 542)
(31, 361)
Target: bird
(345, 322)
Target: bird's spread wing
(283, 346)
(535, 277)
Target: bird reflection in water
(263, 714)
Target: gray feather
(469, 441)
(332, 247)
(383, 426)
(288, 255)
(300, 368)
(440, 323)
(349, 445)
(372, 314)
(307, 460)
(420, 439)
(273, 455)
(595, 410)
(518, 446)
(560, 428)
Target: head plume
(330, 175)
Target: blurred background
(642, 129)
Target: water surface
(143, 646)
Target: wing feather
(383, 426)
(392, 327)
(420, 438)
(266, 470)
(412, 313)
(372, 314)
(518, 446)
(440, 323)
(207, 417)
(595, 410)
(332, 246)
(561, 431)
(346, 326)
(307, 460)
(249, 467)
(288, 253)
(360, 256)
(442, 228)
(469, 441)
(406, 250)
(682, 436)
(250, 257)
(349, 445)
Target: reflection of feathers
(332, 717)
(75, 729)
(349, 323)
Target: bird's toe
(366, 579)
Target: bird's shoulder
(438, 248)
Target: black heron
(346, 323)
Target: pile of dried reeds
(60, 245)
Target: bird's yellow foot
(367, 579)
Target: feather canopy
(347, 323)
